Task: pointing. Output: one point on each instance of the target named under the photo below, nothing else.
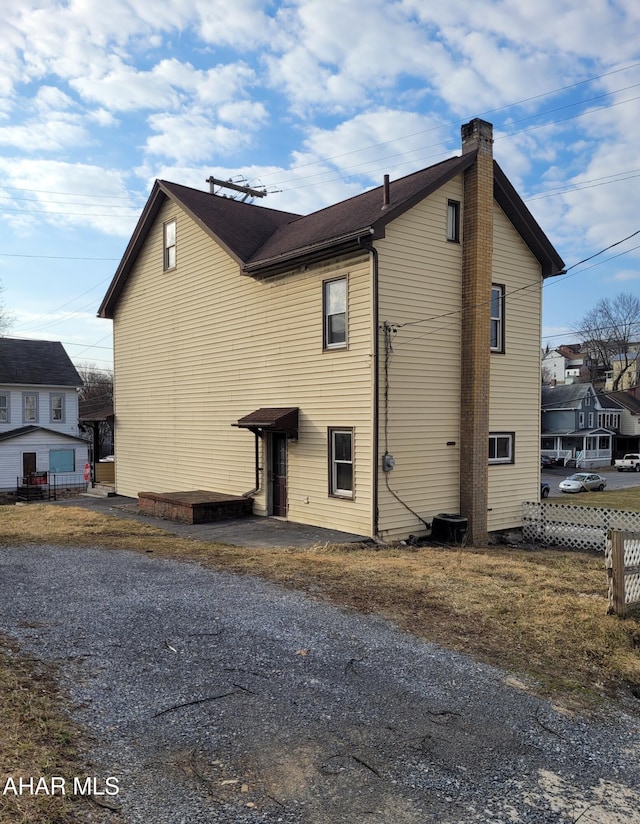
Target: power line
(56, 257)
(547, 282)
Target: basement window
(501, 447)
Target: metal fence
(49, 486)
(575, 527)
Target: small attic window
(453, 221)
(169, 235)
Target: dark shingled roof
(264, 241)
(36, 362)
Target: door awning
(271, 419)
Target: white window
(335, 313)
(501, 447)
(29, 407)
(497, 318)
(581, 420)
(4, 409)
(453, 220)
(57, 408)
(170, 245)
(341, 463)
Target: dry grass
(36, 739)
(540, 614)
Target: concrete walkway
(253, 531)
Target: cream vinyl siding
(200, 346)
(419, 274)
(515, 376)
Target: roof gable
(36, 363)
(263, 240)
(30, 428)
(565, 396)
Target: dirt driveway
(221, 698)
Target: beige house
(365, 367)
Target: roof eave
(149, 213)
(156, 198)
(526, 225)
(333, 246)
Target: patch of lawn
(37, 739)
(541, 613)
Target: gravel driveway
(224, 698)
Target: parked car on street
(583, 482)
(630, 463)
(544, 489)
(546, 462)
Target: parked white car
(583, 482)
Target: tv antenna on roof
(236, 187)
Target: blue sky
(315, 100)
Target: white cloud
(119, 87)
(193, 136)
(63, 194)
(52, 133)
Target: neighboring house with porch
(579, 425)
(628, 438)
(38, 412)
(364, 367)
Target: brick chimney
(477, 267)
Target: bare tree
(611, 331)
(96, 401)
(6, 318)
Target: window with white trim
(341, 462)
(501, 447)
(497, 318)
(169, 240)
(57, 408)
(335, 313)
(4, 408)
(30, 407)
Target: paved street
(615, 480)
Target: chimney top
(477, 134)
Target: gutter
(287, 257)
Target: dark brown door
(279, 474)
(28, 463)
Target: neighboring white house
(566, 364)
(39, 430)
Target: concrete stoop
(101, 491)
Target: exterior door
(279, 474)
(28, 463)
